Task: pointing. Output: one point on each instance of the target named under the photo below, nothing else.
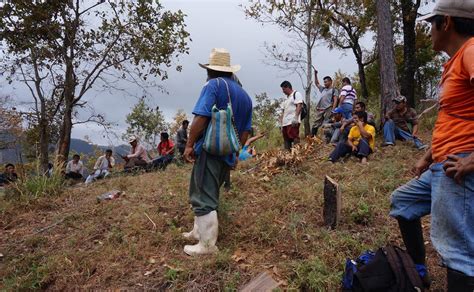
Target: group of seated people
(356, 135)
(8, 176)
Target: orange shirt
(454, 128)
(165, 147)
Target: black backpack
(390, 270)
(304, 108)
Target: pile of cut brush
(274, 161)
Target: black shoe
(459, 282)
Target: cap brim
(231, 69)
(428, 17)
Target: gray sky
(211, 23)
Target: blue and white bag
(221, 135)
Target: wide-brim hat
(132, 139)
(219, 60)
(454, 8)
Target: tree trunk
(309, 74)
(388, 73)
(43, 139)
(64, 142)
(357, 50)
(409, 12)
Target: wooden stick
(154, 225)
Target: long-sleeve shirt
(138, 152)
(181, 138)
(103, 164)
(75, 167)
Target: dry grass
(272, 223)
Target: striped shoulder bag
(221, 136)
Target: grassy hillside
(270, 220)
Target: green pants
(208, 175)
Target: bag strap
(230, 103)
(227, 87)
(394, 263)
(410, 269)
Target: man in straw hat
(209, 171)
(444, 176)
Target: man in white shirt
(291, 117)
(347, 98)
(102, 167)
(137, 157)
(75, 168)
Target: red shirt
(165, 146)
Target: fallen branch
(48, 227)
(435, 105)
(154, 225)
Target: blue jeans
(347, 110)
(391, 132)
(342, 149)
(452, 213)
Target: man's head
(286, 87)
(327, 82)
(360, 116)
(337, 113)
(359, 106)
(185, 124)
(108, 153)
(9, 168)
(164, 136)
(450, 20)
(346, 81)
(76, 158)
(400, 102)
(133, 141)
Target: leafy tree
(265, 119)
(345, 24)
(68, 47)
(11, 129)
(300, 19)
(178, 119)
(145, 122)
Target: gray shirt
(181, 138)
(327, 94)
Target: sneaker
(385, 144)
(422, 147)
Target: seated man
(347, 124)
(332, 129)
(360, 142)
(137, 157)
(102, 167)
(9, 175)
(165, 150)
(247, 151)
(396, 125)
(75, 168)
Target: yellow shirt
(355, 135)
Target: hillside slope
(266, 222)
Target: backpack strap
(394, 263)
(410, 269)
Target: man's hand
(360, 124)
(457, 167)
(188, 154)
(421, 166)
(354, 148)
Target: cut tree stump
(263, 282)
(332, 203)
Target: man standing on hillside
(444, 183)
(182, 137)
(347, 98)
(209, 171)
(326, 104)
(291, 116)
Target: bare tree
(300, 18)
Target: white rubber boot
(193, 234)
(207, 229)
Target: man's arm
(458, 167)
(362, 131)
(334, 100)
(422, 164)
(198, 126)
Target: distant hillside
(85, 148)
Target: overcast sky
(211, 23)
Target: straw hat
(219, 60)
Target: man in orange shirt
(444, 176)
(165, 150)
